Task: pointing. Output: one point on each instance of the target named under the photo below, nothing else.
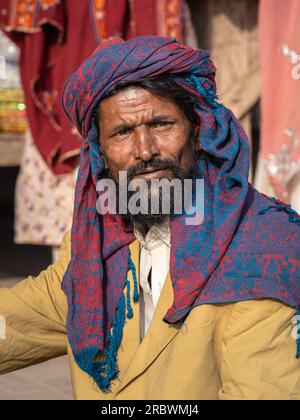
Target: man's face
(140, 131)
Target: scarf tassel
(104, 371)
(131, 267)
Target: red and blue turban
(246, 248)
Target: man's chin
(144, 221)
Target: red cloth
(55, 38)
(280, 65)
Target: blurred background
(255, 45)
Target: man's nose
(145, 147)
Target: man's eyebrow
(158, 118)
(122, 127)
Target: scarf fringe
(298, 332)
(104, 371)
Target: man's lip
(149, 174)
(147, 170)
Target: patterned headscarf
(246, 248)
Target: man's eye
(124, 132)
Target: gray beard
(143, 222)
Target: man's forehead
(130, 94)
(134, 96)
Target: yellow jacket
(235, 351)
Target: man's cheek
(115, 171)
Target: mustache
(156, 164)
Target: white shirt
(154, 256)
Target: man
(185, 311)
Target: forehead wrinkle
(137, 104)
(134, 109)
(139, 96)
(143, 109)
(140, 116)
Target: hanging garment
(279, 169)
(43, 200)
(229, 30)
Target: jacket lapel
(157, 338)
(131, 332)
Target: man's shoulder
(255, 308)
(236, 318)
